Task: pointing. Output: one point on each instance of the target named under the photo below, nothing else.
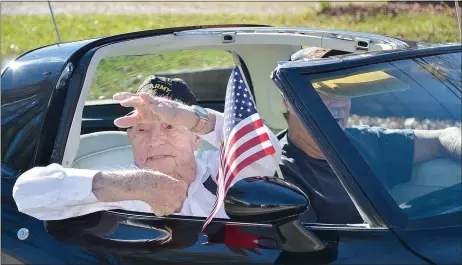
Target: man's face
(160, 146)
(339, 108)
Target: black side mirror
(274, 201)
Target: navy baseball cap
(172, 88)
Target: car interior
(92, 136)
(94, 141)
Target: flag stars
(239, 104)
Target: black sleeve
(397, 154)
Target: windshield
(404, 117)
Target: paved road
(41, 8)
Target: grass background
(20, 33)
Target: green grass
(22, 33)
(128, 72)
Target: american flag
(246, 139)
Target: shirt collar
(287, 145)
(201, 174)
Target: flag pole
(276, 165)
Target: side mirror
(274, 201)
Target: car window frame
(355, 176)
(240, 62)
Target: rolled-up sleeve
(44, 191)
(216, 136)
(56, 193)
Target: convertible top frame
(238, 39)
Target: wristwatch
(203, 115)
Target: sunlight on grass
(126, 73)
(22, 33)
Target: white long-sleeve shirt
(56, 193)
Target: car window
(205, 71)
(385, 107)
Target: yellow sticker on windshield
(360, 85)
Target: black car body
(40, 95)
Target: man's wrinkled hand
(163, 193)
(149, 108)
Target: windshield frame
(371, 198)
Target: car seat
(103, 149)
(428, 177)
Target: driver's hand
(451, 141)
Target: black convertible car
(56, 108)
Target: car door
(423, 210)
(29, 116)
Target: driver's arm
(429, 144)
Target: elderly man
(167, 176)
(303, 163)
